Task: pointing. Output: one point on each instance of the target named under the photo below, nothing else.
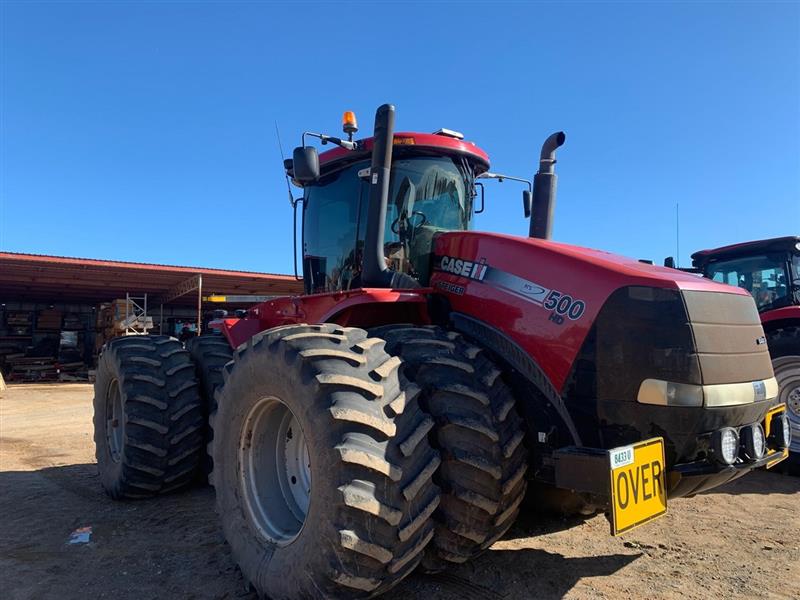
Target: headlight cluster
(750, 442)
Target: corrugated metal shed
(38, 278)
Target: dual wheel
(784, 348)
(342, 460)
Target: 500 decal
(563, 306)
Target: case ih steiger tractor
(770, 271)
(394, 415)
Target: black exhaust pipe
(375, 273)
(544, 189)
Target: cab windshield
(426, 195)
(766, 277)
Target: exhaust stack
(544, 189)
(375, 273)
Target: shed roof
(37, 278)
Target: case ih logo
(562, 306)
(464, 268)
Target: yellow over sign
(638, 484)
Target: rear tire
(787, 373)
(210, 354)
(784, 348)
(148, 417)
(370, 467)
(478, 432)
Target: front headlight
(726, 445)
(754, 442)
(780, 431)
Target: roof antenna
(677, 235)
(292, 201)
(283, 158)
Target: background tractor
(770, 271)
(394, 414)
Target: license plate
(638, 484)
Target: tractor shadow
(760, 481)
(522, 573)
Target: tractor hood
(621, 269)
(551, 295)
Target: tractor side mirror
(527, 202)
(669, 262)
(305, 164)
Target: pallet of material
(33, 369)
(73, 322)
(77, 376)
(49, 319)
(142, 324)
(22, 319)
(46, 369)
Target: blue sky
(145, 131)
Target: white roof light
(449, 133)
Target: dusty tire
(787, 372)
(148, 417)
(478, 433)
(210, 354)
(368, 516)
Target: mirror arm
(347, 145)
(526, 198)
(500, 177)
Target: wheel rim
(115, 421)
(787, 372)
(275, 470)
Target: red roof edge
(93, 262)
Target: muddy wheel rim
(275, 470)
(115, 421)
(793, 400)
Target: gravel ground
(742, 540)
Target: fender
(787, 313)
(362, 307)
(509, 352)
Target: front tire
(478, 432)
(148, 418)
(324, 408)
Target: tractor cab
(431, 189)
(768, 269)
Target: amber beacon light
(349, 123)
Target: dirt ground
(742, 540)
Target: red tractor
(394, 415)
(770, 271)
